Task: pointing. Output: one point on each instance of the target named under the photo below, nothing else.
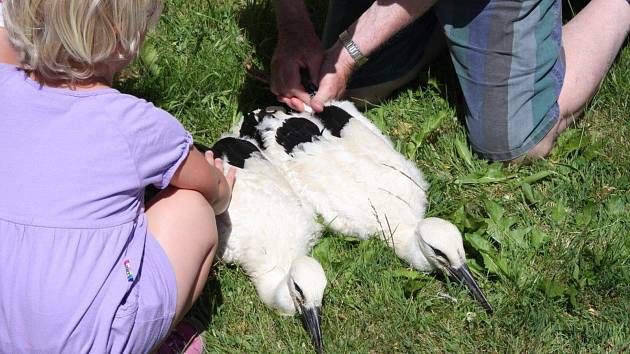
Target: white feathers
(357, 180)
(339, 165)
(268, 228)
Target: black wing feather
(296, 131)
(334, 119)
(249, 130)
(235, 150)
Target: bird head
(307, 283)
(442, 244)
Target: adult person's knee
(498, 136)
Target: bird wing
(268, 224)
(350, 172)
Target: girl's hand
(202, 173)
(225, 183)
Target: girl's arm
(205, 175)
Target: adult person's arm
(373, 28)
(298, 47)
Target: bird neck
(273, 289)
(407, 247)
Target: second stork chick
(339, 162)
(270, 233)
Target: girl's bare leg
(183, 222)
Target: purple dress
(80, 273)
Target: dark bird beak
(312, 322)
(463, 275)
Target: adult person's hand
(334, 75)
(298, 47)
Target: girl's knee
(185, 215)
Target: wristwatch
(352, 49)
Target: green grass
(549, 242)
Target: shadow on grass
(208, 304)
(134, 81)
(258, 22)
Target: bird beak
(463, 275)
(312, 320)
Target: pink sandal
(185, 339)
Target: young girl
(86, 266)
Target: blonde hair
(77, 40)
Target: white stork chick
(339, 162)
(269, 232)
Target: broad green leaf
(323, 247)
(593, 150)
(528, 193)
(494, 174)
(379, 119)
(482, 179)
(400, 146)
(504, 267)
(559, 212)
(410, 151)
(498, 225)
(406, 273)
(496, 232)
(616, 205)
(479, 243)
(495, 211)
(587, 214)
(475, 267)
(351, 239)
(464, 152)
(411, 287)
(149, 58)
(517, 236)
(571, 140)
(572, 292)
(426, 128)
(537, 238)
(432, 123)
(458, 217)
(417, 138)
(491, 264)
(536, 177)
(463, 220)
(576, 272)
(495, 168)
(552, 288)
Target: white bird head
(442, 245)
(307, 283)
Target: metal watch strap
(352, 49)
